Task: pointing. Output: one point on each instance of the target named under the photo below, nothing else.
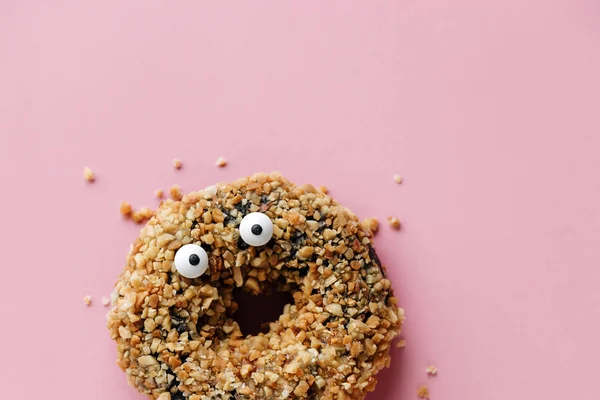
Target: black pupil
(256, 229)
(194, 259)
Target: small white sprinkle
(105, 301)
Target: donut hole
(256, 311)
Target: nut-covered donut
(174, 311)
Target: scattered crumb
(398, 179)
(221, 162)
(105, 301)
(323, 189)
(125, 208)
(431, 370)
(394, 222)
(159, 193)
(138, 216)
(401, 344)
(423, 392)
(175, 192)
(177, 164)
(370, 224)
(142, 215)
(87, 300)
(88, 174)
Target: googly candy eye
(256, 229)
(191, 261)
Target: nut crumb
(323, 189)
(142, 215)
(371, 224)
(221, 162)
(175, 192)
(159, 193)
(87, 300)
(177, 164)
(401, 344)
(88, 174)
(105, 301)
(125, 209)
(394, 222)
(423, 392)
(432, 370)
(398, 179)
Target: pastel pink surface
(488, 108)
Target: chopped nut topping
(335, 309)
(398, 179)
(105, 301)
(146, 361)
(371, 224)
(301, 389)
(177, 164)
(87, 300)
(431, 370)
(176, 193)
(159, 193)
(142, 215)
(178, 337)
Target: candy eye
(191, 261)
(256, 229)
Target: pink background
(489, 108)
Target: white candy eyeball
(191, 261)
(256, 229)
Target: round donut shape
(177, 338)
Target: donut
(174, 307)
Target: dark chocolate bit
(181, 328)
(241, 244)
(298, 239)
(243, 208)
(228, 219)
(375, 259)
(373, 255)
(206, 247)
(179, 323)
(178, 396)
